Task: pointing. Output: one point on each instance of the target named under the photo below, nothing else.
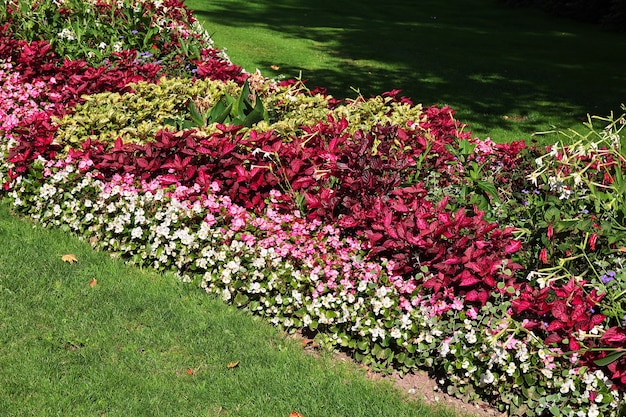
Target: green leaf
(220, 112)
(256, 115)
(490, 189)
(610, 358)
(241, 299)
(555, 411)
(196, 116)
(552, 214)
(239, 107)
(466, 147)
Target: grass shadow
(502, 69)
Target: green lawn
(140, 344)
(508, 72)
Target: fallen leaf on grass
(93, 282)
(275, 67)
(295, 414)
(69, 258)
(622, 249)
(189, 371)
(232, 365)
(309, 343)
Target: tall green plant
(245, 110)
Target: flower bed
(381, 226)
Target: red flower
(592, 241)
(550, 232)
(543, 255)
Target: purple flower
(608, 277)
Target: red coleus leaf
(512, 246)
(614, 335)
(573, 344)
(467, 279)
(553, 338)
(560, 310)
(555, 325)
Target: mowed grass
(134, 343)
(507, 72)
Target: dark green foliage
(610, 13)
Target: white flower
(510, 369)
(68, 34)
(382, 292)
(395, 333)
(471, 337)
(486, 379)
(376, 333)
(522, 354)
(258, 263)
(102, 45)
(593, 411)
(567, 386)
(445, 349)
(386, 302)
(136, 233)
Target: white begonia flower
(471, 337)
(382, 292)
(405, 321)
(593, 411)
(567, 386)
(258, 263)
(522, 354)
(395, 333)
(136, 233)
(511, 368)
(444, 350)
(486, 379)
